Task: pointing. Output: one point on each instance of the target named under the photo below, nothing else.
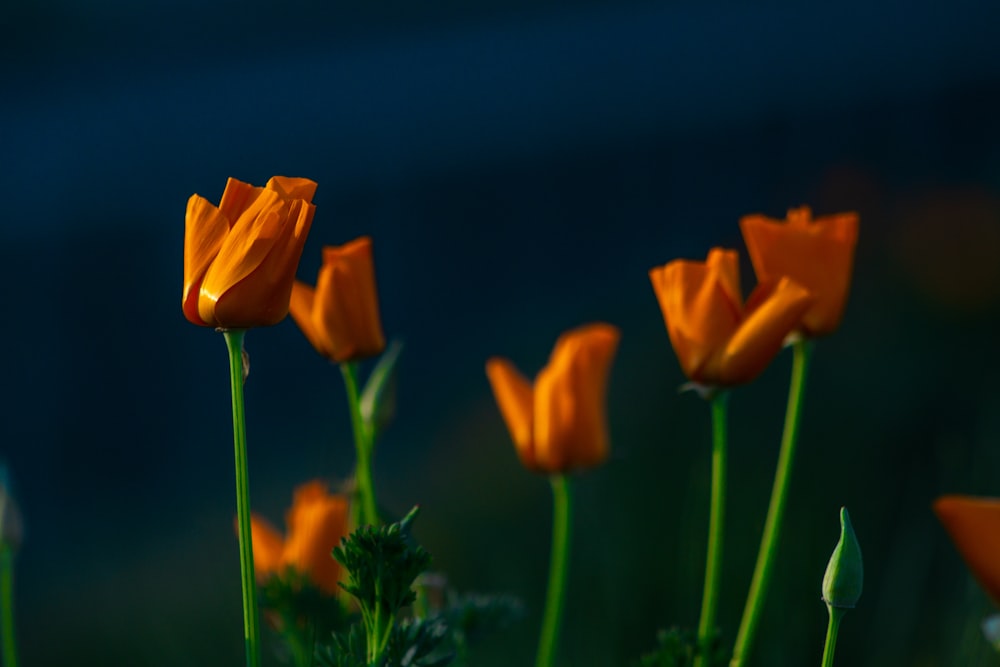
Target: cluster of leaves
(382, 563)
(677, 647)
(412, 643)
(470, 616)
(396, 627)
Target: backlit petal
(237, 198)
(761, 335)
(205, 229)
(974, 527)
(347, 310)
(293, 188)
(300, 307)
(699, 309)
(250, 283)
(570, 428)
(818, 254)
(514, 397)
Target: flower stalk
(832, 628)
(364, 446)
(760, 583)
(251, 623)
(555, 599)
(716, 525)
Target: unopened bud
(845, 572)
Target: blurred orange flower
(240, 257)
(974, 526)
(316, 522)
(817, 254)
(559, 423)
(340, 317)
(718, 340)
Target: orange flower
(817, 254)
(718, 340)
(559, 423)
(974, 527)
(240, 257)
(316, 522)
(340, 317)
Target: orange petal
(250, 283)
(205, 229)
(237, 198)
(347, 311)
(817, 254)
(293, 188)
(700, 308)
(267, 547)
(316, 523)
(514, 397)
(570, 429)
(724, 265)
(974, 527)
(761, 335)
(300, 307)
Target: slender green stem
(562, 518)
(836, 613)
(251, 623)
(9, 646)
(761, 580)
(716, 524)
(363, 445)
(380, 629)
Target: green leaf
(378, 398)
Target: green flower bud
(845, 572)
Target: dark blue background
(521, 166)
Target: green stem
(761, 580)
(562, 517)
(9, 647)
(381, 629)
(836, 613)
(716, 524)
(363, 446)
(251, 624)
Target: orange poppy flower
(718, 340)
(240, 257)
(559, 423)
(974, 526)
(340, 317)
(817, 254)
(316, 522)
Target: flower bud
(845, 572)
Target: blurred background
(521, 166)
